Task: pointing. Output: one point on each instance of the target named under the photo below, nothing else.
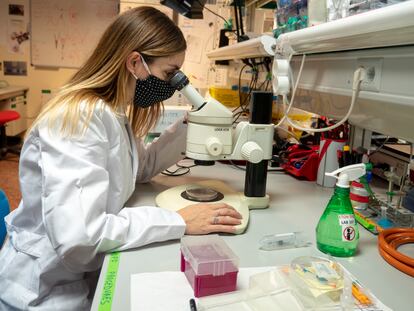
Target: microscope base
(171, 199)
(257, 202)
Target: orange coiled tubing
(388, 242)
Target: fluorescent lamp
(258, 47)
(388, 26)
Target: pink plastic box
(209, 264)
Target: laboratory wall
(11, 50)
(202, 35)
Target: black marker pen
(193, 306)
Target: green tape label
(109, 284)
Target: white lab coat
(72, 210)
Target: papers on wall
(17, 33)
(220, 77)
(195, 45)
(201, 36)
(3, 22)
(130, 4)
(64, 33)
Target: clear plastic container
(209, 264)
(267, 291)
(318, 282)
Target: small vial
(283, 241)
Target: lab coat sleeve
(74, 202)
(159, 155)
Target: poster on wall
(127, 5)
(3, 19)
(202, 36)
(13, 68)
(63, 34)
(17, 28)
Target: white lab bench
(294, 206)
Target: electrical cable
(174, 173)
(212, 12)
(244, 103)
(289, 132)
(381, 146)
(240, 74)
(281, 170)
(405, 177)
(359, 75)
(266, 80)
(276, 170)
(252, 86)
(237, 166)
(410, 159)
(294, 90)
(388, 242)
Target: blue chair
(4, 211)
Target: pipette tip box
(209, 264)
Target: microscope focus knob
(252, 152)
(214, 146)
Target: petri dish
(201, 194)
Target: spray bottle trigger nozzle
(348, 173)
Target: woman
(80, 163)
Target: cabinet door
(16, 103)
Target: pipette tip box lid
(209, 264)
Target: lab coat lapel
(132, 148)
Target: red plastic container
(302, 163)
(209, 265)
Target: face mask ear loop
(145, 65)
(136, 78)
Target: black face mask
(151, 90)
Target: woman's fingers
(205, 218)
(229, 211)
(224, 209)
(219, 205)
(225, 220)
(222, 228)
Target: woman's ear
(134, 62)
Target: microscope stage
(208, 191)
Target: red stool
(5, 117)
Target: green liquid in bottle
(337, 232)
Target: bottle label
(347, 223)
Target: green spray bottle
(337, 231)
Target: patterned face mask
(151, 90)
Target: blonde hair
(104, 76)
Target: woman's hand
(205, 218)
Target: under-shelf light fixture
(262, 46)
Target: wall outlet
(373, 67)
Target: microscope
(211, 136)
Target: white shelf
(388, 26)
(262, 46)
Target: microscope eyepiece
(179, 80)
